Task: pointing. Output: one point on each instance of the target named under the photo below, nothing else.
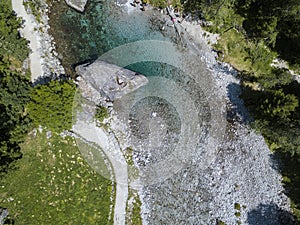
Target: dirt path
(30, 34)
(92, 133)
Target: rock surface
(77, 4)
(111, 81)
(3, 215)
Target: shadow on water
(87, 62)
(269, 214)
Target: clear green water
(102, 27)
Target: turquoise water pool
(102, 27)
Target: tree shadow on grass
(270, 214)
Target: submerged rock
(111, 81)
(77, 4)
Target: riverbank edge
(44, 59)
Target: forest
(14, 88)
(24, 106)
(253, 33)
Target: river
(195, 165)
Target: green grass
(237, 214)
(164, 3)
(101, 113)
(133, 171)
(233, 44)
(133, 205)
(158, 3)
(35, 7)
(54, 185)
(220, 222)
(237, 206)
(133, 208)
(128, 156)
(96, 158)
(245, 55)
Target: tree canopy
(51, 104)
(14, 121)
(11, 43)
(14, 88)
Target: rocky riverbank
(44, 60)
(242, 185)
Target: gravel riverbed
(242, 185)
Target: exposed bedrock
(77, 4)
(111, 81)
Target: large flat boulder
(77, 4)
(111, 81)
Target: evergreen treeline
(23, 106)
(14, 88)
(14, 121)
(276, 22)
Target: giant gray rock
(77, 4)
(111, 81)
